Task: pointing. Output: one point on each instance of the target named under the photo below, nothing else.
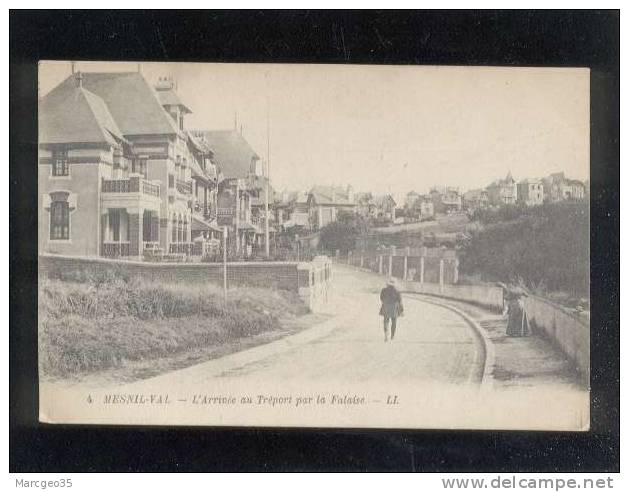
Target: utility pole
(225, 264)
(237, 215)
(266, 194)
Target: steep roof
(168, 97)
(232, 152)
(380, 200)
(531, 181)
(330, 195)
(75, 115)
(131, 101)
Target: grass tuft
(96, 325)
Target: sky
(386, 129)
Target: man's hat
(391, 281)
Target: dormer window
(60, 165)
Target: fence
(425, 265)
(311, 280)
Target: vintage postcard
(294, 245)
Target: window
(171, 181)
(174, 229)
(139, 166)
(59, 220)
(60, 165)
(114, 224)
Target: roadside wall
(567, 331)
(570, 333)
(489, 297)
(311, 280)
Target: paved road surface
(433, 344)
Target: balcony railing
(149, 188)
(181, 248)
(184, 187)
(116, 249)
(133, 184)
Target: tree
(342, 233)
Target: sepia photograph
(314, 245)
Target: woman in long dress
(518, 321)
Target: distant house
(446, 200)
(325, 203)
(377, 207)
(426, 209)
(291, 209)
(531, 192)
(241, 193)
(503, 191)
(475, 199)
(557, 187)
(385, 207)
(411, 199)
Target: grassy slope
(88, 327)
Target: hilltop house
(503, 191)
(325, 203)
(446, 200)
(411, 199)
(531, 192)
(475, 199)
(116, 168)
(377, 207)
(557, 187)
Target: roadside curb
(487, 380)
(237, 359)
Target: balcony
(132, 192)
(132, 185)
(184, 187)
(181, 248)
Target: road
(432, 344)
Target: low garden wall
(310, 279)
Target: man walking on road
(391, 308)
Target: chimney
(333, 194)
(73, 66)
(79, 79)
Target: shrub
(545, 247)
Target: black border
(522, 38)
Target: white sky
(386, 128)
